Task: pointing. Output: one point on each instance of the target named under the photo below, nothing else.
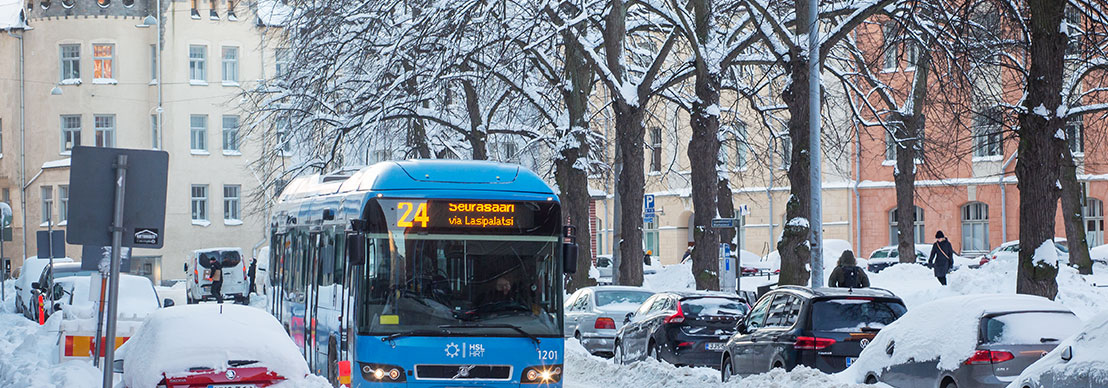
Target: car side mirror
(57, 307)
(58, 291)
(186, 267)
(34, 285)
(168, 302)
(1067, 353)
(569, 249)
(741, 327)
(117, 366)
(627, 318)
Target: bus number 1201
(406, 219)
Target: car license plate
(714, 346)
(849, 360)
(233, 386)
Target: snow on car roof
(1087, 352)
(174, 339)
(218, 249)
(945, 329)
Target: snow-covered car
(604, 267)
(1078, 362)
(205, 345)
(199, 269)
(594, 314)
(76, 298)
(1099, 254)
(1010, 251)
(890, 255)
(29, 273)
(981, 340)
(44, 287)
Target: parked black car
(682, 328)
(821, 328)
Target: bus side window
(340, 257)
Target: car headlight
(542, 374)
(382, 373)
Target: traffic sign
(723, 223)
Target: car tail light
(684, 344)
(604, 323)
(812, 343)
(196, 276)
(677, 317)
(989, 357)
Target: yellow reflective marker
(390, 319)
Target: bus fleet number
(545, 355)
(407, 219)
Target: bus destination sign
(462, 214)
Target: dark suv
(821, 328)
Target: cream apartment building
(90, 77)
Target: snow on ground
(679, 277)
(584, 370)
(29, 356)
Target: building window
(381, 155)
(505, 151)
(230, 65)
(231, 11)
(742, 146)
(47, 204)
(655, 149)
(1075, 134)
(917, 223)
(786, 149)
(211, 13)
(911, 54)
(71, 132)
(154, 143)
(650, 240)
(197, 65)
(230, 133)
(231, 202)
(975, 228)
(195, 8)
(153, 62)
(105, 130)
(889, 32)
(71, 61)
(284, 143)
(1073, 21)
(199, 202)
(198, 130)
(890, 144)
(987, 133)
(63, 203)
(1094, 221)
(103, 56)
(282, 59)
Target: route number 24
(411, 213)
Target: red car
(198, 346)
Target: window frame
(655, 149)
(974, 214)
(110, 58)
(229, 65)
(231, 135)
(889, 60)
(65, 133)
(63, 203)
(73, 62)
(46, 196)
(988, 133)
(918, 223)
(199, 202)
(198, 135)
(232, 205)
(104, 136)
(198, 65)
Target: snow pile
(29, 356)
(11, 15)
(208, 335)
(584, 370)
(1087, 351)
(311, 381)
(8, 304)
(1099, 253)
(1047, 254)
(945, 330)
(273, 13)
(137, 298)
(671, 277)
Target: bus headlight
(542, 374)
(382, 373)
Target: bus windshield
(453, 284)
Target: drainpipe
(857, 195)
(1004, 198)
(769, 196)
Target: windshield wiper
(1048, 339)
(495, 326)
(410, 333)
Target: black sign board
(44, 241)
(93, 256)
(93, 176)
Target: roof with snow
(271, 13)
(12, 15)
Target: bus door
(311, 296)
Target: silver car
(594, 314)
(1008, 340)
(1077, 362)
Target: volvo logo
(864, 342)
(463, 371)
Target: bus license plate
(849, 360)
(714, 346)
(233, 386)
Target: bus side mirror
(569, 249)
(186, 267)
(355, 248)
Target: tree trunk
(794, 247)
(725, 204)
(572, 176)
(1038, 163)
(1072, 215)
(631, 183)
(904, 177)
(477, 134)
(703, 159)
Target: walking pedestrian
(646, 258)
(942, 257)
(217, 281)
(252, 273)
(847, 274)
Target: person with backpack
(848, 274)
(942, 257)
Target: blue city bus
(423, 273)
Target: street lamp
(151, 21)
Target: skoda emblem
(230, 374)
(864, 342)
(463, 371)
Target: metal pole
(22, 145)
(816, 182)
(113, 281)
(158, 48)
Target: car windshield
(631, 298)
(603, 262)
(1062, 247)
(713, 307)
(854, 314)
(419, 282)
(879, 254)
(1028, 328)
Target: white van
(198, 270)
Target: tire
(190, 300)
(618, 357)
(332, 363)
(950, 384)
(777, 364)
(871, 379)
(653, 351)
(577, 336)
(726, 370)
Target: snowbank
(945, 330)
(28, 357)
(208, 335)
(584, 370)
(11, 15)
(1088, 355)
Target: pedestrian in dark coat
(252, 272)
(217, 281)
(942, 257)
(848, 274)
